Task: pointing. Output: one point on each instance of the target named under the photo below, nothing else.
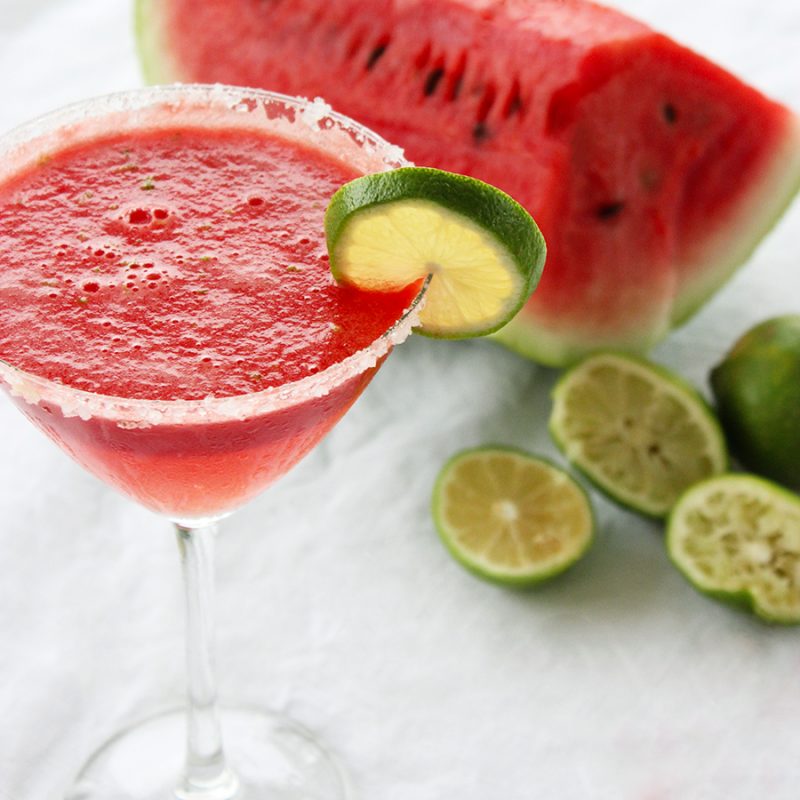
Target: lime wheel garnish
(483, 250)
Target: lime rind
(499, 227)
(757, 392)
(672, 390)
(755, 566)
(526, 576)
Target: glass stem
(206, 774)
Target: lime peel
(757, 393)
(510, 517)
(483, 250)
(736, 538)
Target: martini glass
(196, 461)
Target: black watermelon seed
(376, 54)
(609, 211)
(480, 131)
(432, 81)
(514, 107)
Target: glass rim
(146, 412)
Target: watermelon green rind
(151, 47)
(739, 596)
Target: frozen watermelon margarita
(165, 279)
(168, 317)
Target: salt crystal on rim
(316, 110)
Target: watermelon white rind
(538, 343)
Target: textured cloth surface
(336, 602)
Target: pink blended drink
(183, 264)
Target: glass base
(271, 757)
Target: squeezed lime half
(736, 537)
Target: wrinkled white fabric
(336, 601)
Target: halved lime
(483, 250)
(636, 430)
(511, 517)
(737, 538)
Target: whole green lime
(757, 390)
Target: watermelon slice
(652, 172)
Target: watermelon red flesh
(652, 172)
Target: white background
(336, 601)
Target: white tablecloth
(337, 603)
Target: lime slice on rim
(483, 250)
(637, 431)
(737, 538)
(511, 517)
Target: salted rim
(211, 106)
